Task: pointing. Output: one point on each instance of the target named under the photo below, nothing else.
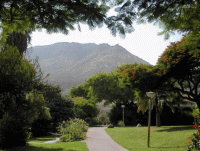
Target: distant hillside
(70, 64)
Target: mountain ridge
(70, 64)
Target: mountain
(70, 64)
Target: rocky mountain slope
(70, 64)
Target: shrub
(66, 138)
(110, 126)
(195, 138)
(103, 119)
(75, 127)
(121, 124)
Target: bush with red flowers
(195, 138)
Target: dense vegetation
(25, 99)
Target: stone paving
(99, 140)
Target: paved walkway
(99, 140)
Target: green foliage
(106, 86)
(20, 104)
(79, 91)
(185, 18)
(121, 124)
(110, 126)
(66, 138)
(183, 53)
(85, 109)
(138, 76)
(37, 102)
(170, 15)
(61, 108)
(179, 56)
(16, 72)
(16, 122)
(102, 86)
(103, 119)
(75, 127)
(196, 115)
(50, 91)
(131, 117)
(195, 138)
(91, 121)
(59, 16)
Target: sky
(143, 42)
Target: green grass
(37, 145)
(165, 138)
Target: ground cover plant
(165, 138)
(37, 144)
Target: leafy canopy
(179, 66)
(59, 16)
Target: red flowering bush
(196, 126)
(195, 138)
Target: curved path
(99, 140)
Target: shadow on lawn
(35, 148)
(177, 128)
(168, 147)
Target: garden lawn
(37, 144)
(165, 138)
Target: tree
(60, 16)
(20, 104)
(143, 78)
(179, 66)
(139, 76)
(61, 109)
(85, 109)
(171, 15)
(19, 18)
(106, 86)
(79, 91)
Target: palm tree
(161, 98)
(19, 40)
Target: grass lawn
(37, 145)
(165, 138)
